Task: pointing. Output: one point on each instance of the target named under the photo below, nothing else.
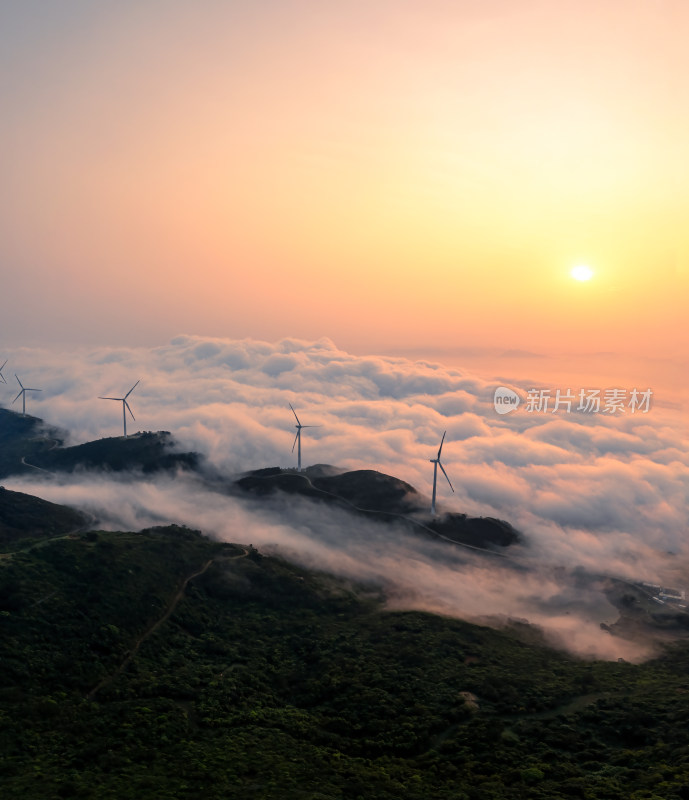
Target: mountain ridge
(27, 444)
(389, 498)
(160, 664)
(363, 490)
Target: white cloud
(607, 492)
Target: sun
(582, 272)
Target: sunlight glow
(582, 273)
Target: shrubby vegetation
(148, 452)
(23, 438)
(26, 518)
(267, 681)
(27, 443)
(383, 497)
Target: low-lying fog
(592, 493)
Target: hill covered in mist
(360, 524)
(25, 517)
(31, 446)
(161, 664)
(27, 444)
(24, 438)
(384, 498)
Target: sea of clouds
(606, 493)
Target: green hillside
(148, 452)
(24, 518)
(27, 444)
(23, 438)
(163, 665)
(386, 498)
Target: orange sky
(416, 177)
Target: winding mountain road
(403, 517)
(154, 627)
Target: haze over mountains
(269, 636)
(590, 489)
(161, 664)
(361, 524)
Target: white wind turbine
(2, 377)
(297, 438)
(22, 392)
(436, 463)
(125, 406)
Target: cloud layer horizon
(607, 493)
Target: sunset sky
(412, 178)
(370, 210)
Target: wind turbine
(297, 438)
(22, 392)
(2, 377)
(436, 463)
(125, 406)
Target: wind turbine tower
(436, 463)
(297, 438)
(22, 392)
(125, 406)
(2, 377)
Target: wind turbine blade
(295, 415)
(128, 409)
(18, 396)
(4, 365)
(132, 389)
(112, 398)
(441, 445)
(445, 474)
(310, 426)
(18, 381)
(295, 441)
(29, 389)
